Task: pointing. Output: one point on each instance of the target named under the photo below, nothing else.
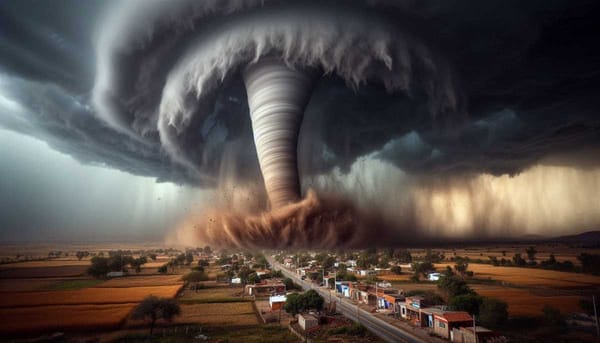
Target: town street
(379, 327)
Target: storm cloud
(451, 89)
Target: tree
(453, 286)
(152, 256)
(466, 302)
(189, 257)
(518, 260)
(553, 317)
(531, 254)
(402, 255)
(138, 263)
(195, 277)
(328, 263)
(294, 304)
(289, 284)
(207, 250)
(253, 278)
(163, 269)
(421, 269)
(81, 254)
(493, 312)
(313, 300)
(153, 308)
(99, 267)
(461, 266)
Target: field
(64, 317)
(530, 276)
(230, 314)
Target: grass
(70, 285)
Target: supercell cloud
(445, 93)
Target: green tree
(531, 251)
(452, 286)
(189, 257)
(466, 302)
(99, 267)
(195, 276)
(253, 278)
(294, 304)
(396, 270)
(289, 284)
(153, 308)
(328, 262)
(518, 260)
(402, 255)
(461, 266)
(493, 312)
(313, 300)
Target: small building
(277, 302)
(265, 288)
(465, 335)
(444, 323)
(307, 321)
(384, 284)
(367, 272)
(236, 280)
(411, 310)
(115, 274)
(433, 276)
(343, 287)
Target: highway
(384, 330)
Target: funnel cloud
(312, 123)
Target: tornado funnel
(277, 96)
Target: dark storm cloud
(524, 75)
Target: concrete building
(266, 288)
(465, 335)
(277, 302)
(444, 323)
(307, 321)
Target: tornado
(277, 96)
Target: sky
(123, 119)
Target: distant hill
(588, 238)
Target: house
(236, 280)
(265, 288)
(465, 335)
(115, 274)
(307, 321)
(384, 284)
(359, 293)
(277, 302)
(433, 276)
(411, 310)
(343, 287)
(445, 322)
(389, 302)
(367, 272)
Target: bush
(195, 277)
(493, 312)
(466, 302)
(396, 270)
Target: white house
(236, 280)
(433, 276)
(307, 321)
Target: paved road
(387, 332)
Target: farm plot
(85, 296)
(64, 317)
(531, 276)
(521, 302)
(42, 272)
(143, 281)
(229, 314)
(214, 295)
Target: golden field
(86, 296)
(522, 302)
(230, 314)
(63, 317)
(530, 276)
(142, 281)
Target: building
(433, 276)
(445, 322)
(343, 287)
(265, 288)
(236, 280)
(115, 274)
(307, 321)
(365, 272)
(277, 302)
(411, 310)
(465, 335)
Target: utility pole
(475, 329)
(596, 316)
